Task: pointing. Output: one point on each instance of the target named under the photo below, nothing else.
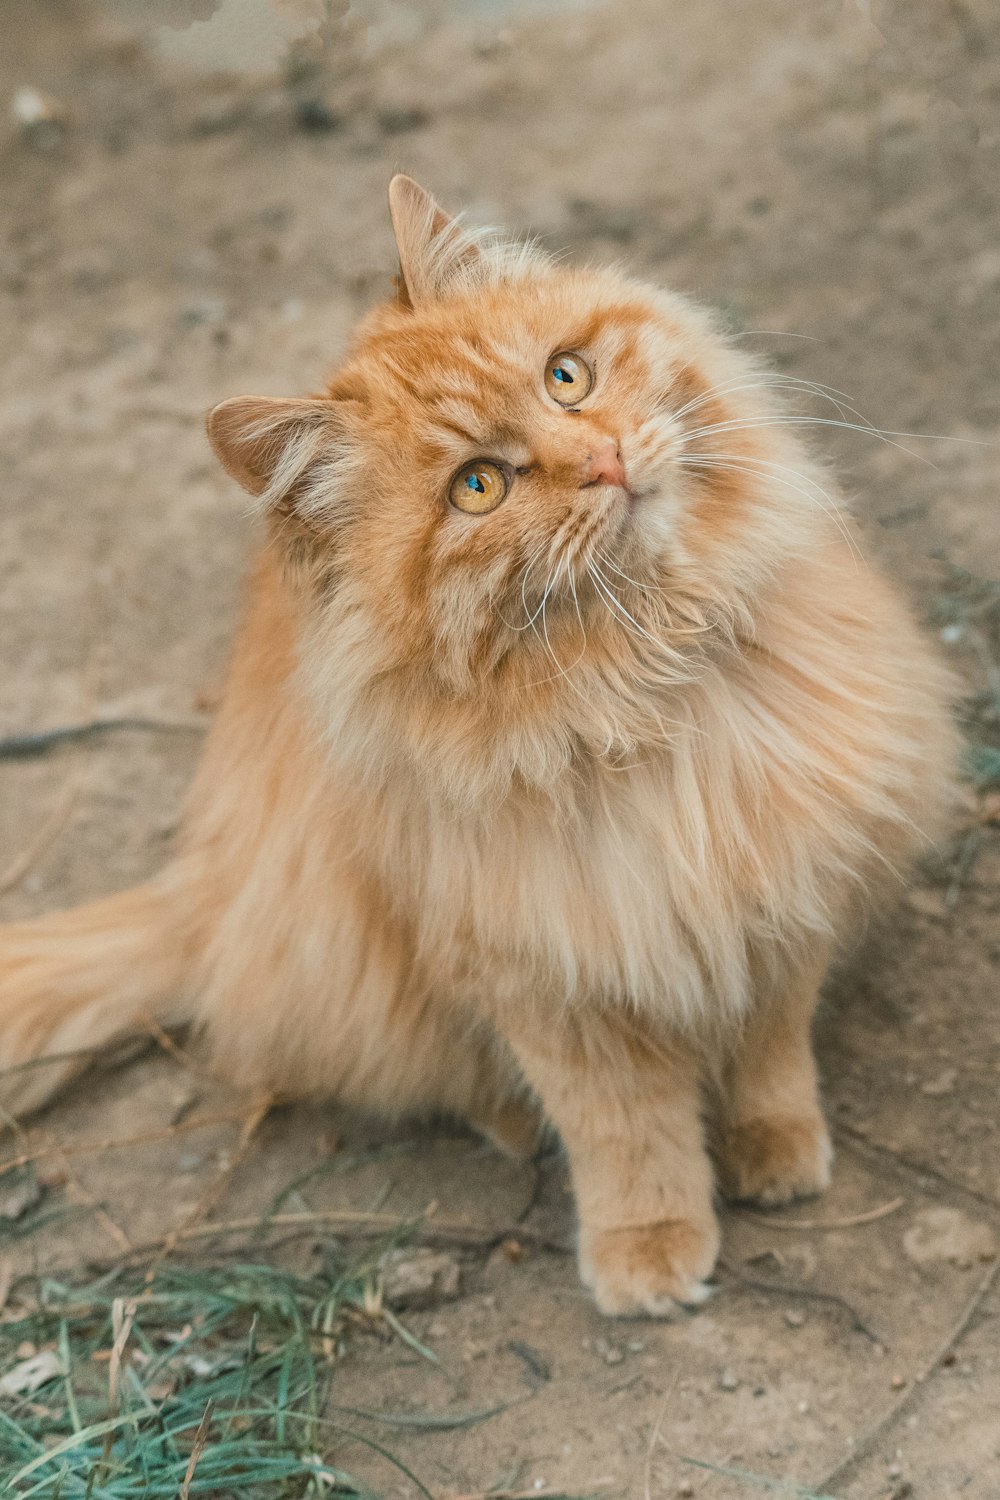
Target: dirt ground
(827, 171)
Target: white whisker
(762, 469)
(747, 424)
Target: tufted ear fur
(432, 246)
(285, 452)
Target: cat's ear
(285, 452)
(432, 246)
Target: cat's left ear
(432, 246)
(287, 453)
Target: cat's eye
(568, 378)
(478, 488)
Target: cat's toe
(655, 1270)
(776, 1159)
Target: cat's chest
(599, 893)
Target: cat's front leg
(627, 1104)
(771, 1142)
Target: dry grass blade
(851, 1221)
(122, 1318)
(251, 1125)
(424, 1226)
(6, 1282)
(197, 1449)
(117, 1143)
(49, 831)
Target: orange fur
(568, 802)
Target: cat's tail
(75, 982)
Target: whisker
(603, 584)
(769, 381)
(563, 672)
(646, 588)
(760, 469)
(525, 573)
(746, 424)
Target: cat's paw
(651, 1269)
(775, 1159)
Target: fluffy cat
(565, 735)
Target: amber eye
(568, 378)
(478, 487)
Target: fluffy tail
(84, 979)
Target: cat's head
(520, 466)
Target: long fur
(571, 801)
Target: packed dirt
(827, 173)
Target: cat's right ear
(284, 452)
(432, 245)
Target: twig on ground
(451, 1233)
(863, 1445)
(180, 1054)
(812, 1294)
(857, 1138)
(112, 1229)
(251, 1125)
(116, 1143)
(31, 745)
(869, 1217)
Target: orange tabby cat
(564, 733)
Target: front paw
(652, 1269)
(775, 1159)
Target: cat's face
(503, 457)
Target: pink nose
(604, 465)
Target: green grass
(247, 1353)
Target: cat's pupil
(475, 483)
(561, 373)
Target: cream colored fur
(559, 810)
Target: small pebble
(728, 1381)
(612, 1354)
(803, 1407)
(42, 120)
(897, 1382)
(794, 1317)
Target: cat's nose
(603, 465)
